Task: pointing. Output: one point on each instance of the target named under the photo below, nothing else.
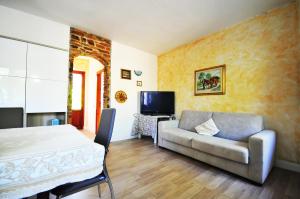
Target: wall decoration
(121, 96)
(138, 72)
(139, 83)
(210, 81)
(125, 74)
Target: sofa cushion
(227, 149)
(237, 126)
(190, 119)
(208, 128)
(178, 136)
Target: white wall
(126, 57)
(27, 27)
(91, 94)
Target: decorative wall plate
(121, 96)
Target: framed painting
(125, 74)
(210, 81)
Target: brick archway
(86, 44)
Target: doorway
(92, 96)
(78, 95)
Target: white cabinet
(33, 77)
(12, 91)
(47, 63)
(12, 57)
(46, 96)
(47, 79)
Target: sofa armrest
(261, 153)
(164, 125)
(167, 124)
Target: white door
(47, 63)
(12, 57)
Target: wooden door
(98, 100)
(78, 99)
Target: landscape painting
(210, 81)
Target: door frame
(82, 73)
(98, 100)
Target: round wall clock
(121, 96)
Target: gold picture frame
(210, 81)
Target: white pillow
(207, 128)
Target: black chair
(103, 137)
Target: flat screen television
(157, 102)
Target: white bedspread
(37, 159)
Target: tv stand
(148, 125)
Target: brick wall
(86, 44)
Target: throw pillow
(207, 128)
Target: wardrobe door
(12, 91)
(12, 57)
(46, 96)
(47, 63)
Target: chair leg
(99, 191)
(112, 194)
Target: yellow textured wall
(81, 64)
(262, 73)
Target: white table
(37, 159)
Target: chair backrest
(106, 126)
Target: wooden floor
(139, 169)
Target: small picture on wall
(125, 74)
(139, 83)
(210, 81)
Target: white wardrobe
(33, 77)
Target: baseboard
(124, 139)
(287, 165)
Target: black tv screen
(157, 102)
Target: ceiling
(154, 26)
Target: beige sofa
(242, 146)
